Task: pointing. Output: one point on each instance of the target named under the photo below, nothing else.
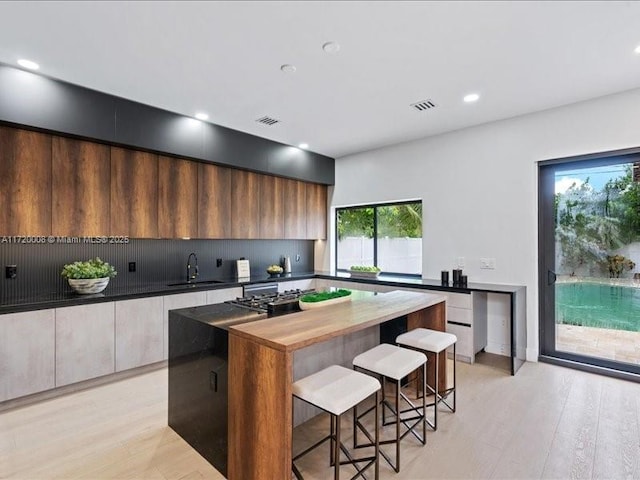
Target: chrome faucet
(191, 276)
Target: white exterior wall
(479, 187)
(398, 255)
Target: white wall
(479, 186)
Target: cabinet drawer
(459, 300)
(304, 284)
(464, 345)
(27, 353)
(85, 342)
(459, 315)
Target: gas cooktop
(274, 304)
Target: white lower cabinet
(85, 343)
(305, 284)
(464, 345)
(139, 332)
(219, 296)
(173, 302)
(27, 353)
(467, 320)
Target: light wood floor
(546, 422)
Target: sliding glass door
(590, 261)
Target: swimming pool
(598, 305)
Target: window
(388, 236)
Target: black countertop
(221, 315)
(427, 284)
(65, 299)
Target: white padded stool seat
(427, 340)
(335, 389)
(390, 360)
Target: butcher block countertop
(298, 330)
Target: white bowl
(88, 285)
(324, 303)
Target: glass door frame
(546, 264)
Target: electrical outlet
(298, 257)
(460, 262)
(132, 266)
(487, 263)
(11, 271)
(218, 262)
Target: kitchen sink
(193, 284)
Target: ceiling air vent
(267, 121)
(423, 105)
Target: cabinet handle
(213, 381)
(459, 324)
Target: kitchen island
(261, 371)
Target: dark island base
(198, 387)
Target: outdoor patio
(619, 345)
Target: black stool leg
(336, 449)
(424, 404)
(332, 430)
(397, 467)
(455, 389)
(377, 427)
(436, 396)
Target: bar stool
(433, 341)
(394, 363)
(335, 390)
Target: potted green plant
(618, 264)
(91, 276)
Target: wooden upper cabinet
(25, 182)
(214, 199)
(316, 212)
(134, 193)
(81, 179)
(295, 200)
(245, 204)
(271, 207)
(177, 198)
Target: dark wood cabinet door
(245, 204)
(295, 201)
(134, 193)
(177, 198)
(25, 182)
(316, 211)
(271, 207)
(81, 184)
(214, 200)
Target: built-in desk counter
(261, 369)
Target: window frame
(375, 207)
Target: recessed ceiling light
(23, 62)
(303, 146)
(472, 97)
(331, 47)
(637, 50)
(286, 68)
(201, 116)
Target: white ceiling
(224, 58)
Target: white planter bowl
(357, 274)
(88, 285)
(312, 305)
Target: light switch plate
(488, 263)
